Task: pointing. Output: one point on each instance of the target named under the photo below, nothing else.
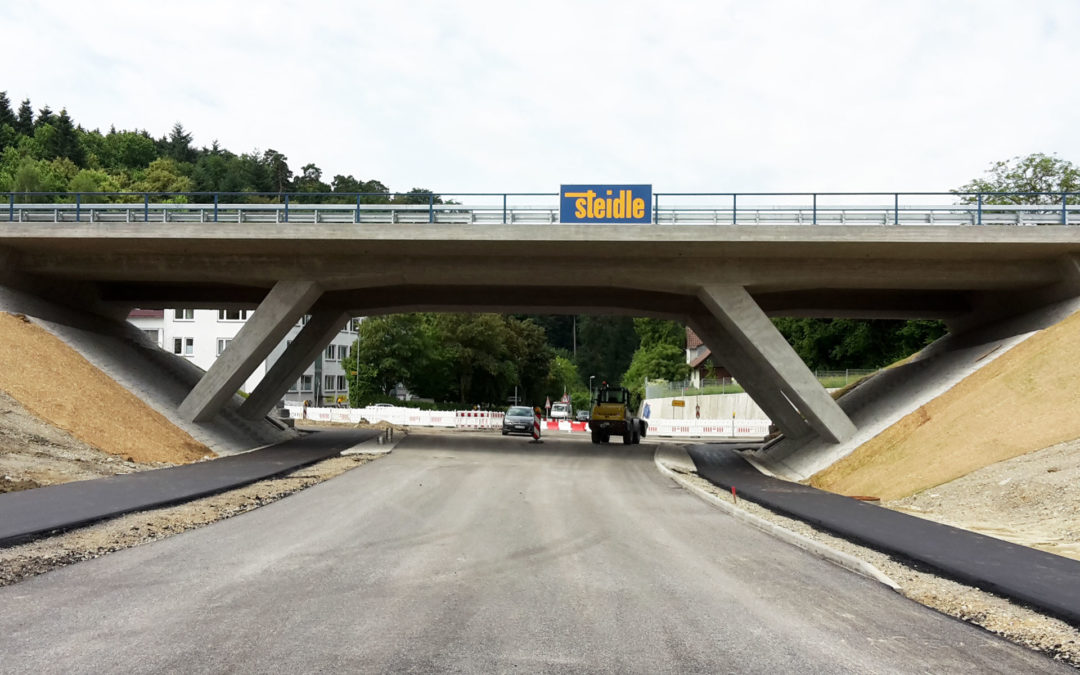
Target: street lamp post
(591, 378)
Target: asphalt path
(477, 553)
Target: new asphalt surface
(1044, 580)
(469, 552)
(31, 513)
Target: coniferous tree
(178, 145)
(44, 116)
(6, 114)
(25, 119)
(66, 140)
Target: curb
(845, 560)
(379, 445)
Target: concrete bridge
(723, 269)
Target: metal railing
(830, 379)
(762, 208)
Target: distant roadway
(478, 553)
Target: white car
(562, 411)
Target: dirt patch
(38, 557)
(1012, 621)
(58, 386)
(1033, 500)
(1021, 402)
(34, 453)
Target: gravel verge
(1012, 621)
(42, 555)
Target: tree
(41, 176)
(65, 142)
(416, 196)
(653, 332)
(562, 377)
(92, 180)
(128, 150)
(25, 119)
(178, 145)
(658, 362)
(661, 354)
(838, 344)
(533, 358)
(164, 175)
(388, 350)
(606, 345)
(477, 348)
(1034, 173)
(277, 167)
(44, 116)
(6, 114)
(310, 180)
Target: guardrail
(764, 208)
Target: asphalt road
(477, 553)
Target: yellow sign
(678, 403)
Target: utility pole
(575, 337)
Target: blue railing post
(215, 206)
(431, 207)
(504, 208)
(734, 209)
(11, 207)
(1064, 208)
(356, 217)
(78, 207)
(656, 208)
(979, 221)
(896, 208)
(146, 207)
(815, 209)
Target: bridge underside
(731, 320)
(723, 282)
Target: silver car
(518, 420)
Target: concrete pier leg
(773, 357)
(283, 306)
(313, 338)
(761, 389)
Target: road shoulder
(1012, 621)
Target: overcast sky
(514, 96)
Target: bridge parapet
(855, 208)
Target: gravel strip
(42, 555)
(1014, 622)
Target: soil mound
(1021, 402)
(49, 384)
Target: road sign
(605, 204)
(678, 403)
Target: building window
(356, 325)
(222, 345)
(152, 333)
(328, 380)
(185, 346)
(305, 382)
(342, 351)
(232, 315)
(341, 383)
(184, 315)
(331, 353)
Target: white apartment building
(202, 335)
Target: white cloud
(486, 96)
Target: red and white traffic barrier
(486, 419)
(536, 428)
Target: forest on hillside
(475, 359)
